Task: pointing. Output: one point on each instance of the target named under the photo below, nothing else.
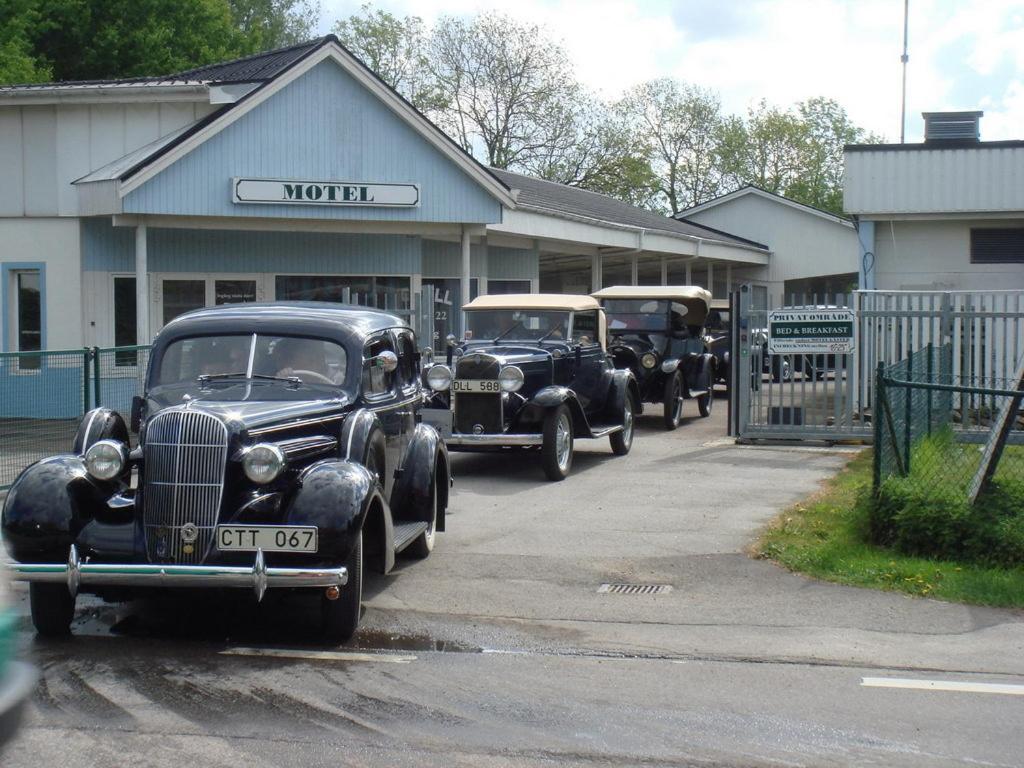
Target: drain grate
(634, 589)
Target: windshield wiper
(205, 377)
(507, 331)
(542, 338)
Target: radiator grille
(185, 459)
(478, 412)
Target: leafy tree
(395, 49)
(268, 24)
(679, 125)
(17, 62)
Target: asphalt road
(500, 650)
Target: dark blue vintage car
(278, 447)
(532, 373)
(657, 332)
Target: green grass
(825, 536)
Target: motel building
(290, 175)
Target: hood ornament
(187, 400)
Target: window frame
(974, 259)
(10, 301)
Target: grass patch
(826, 537)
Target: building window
(392, 293)
(125, 321)
(997, 246)
(26, 315)
(508, 286)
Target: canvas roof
(556, 301)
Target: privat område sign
(300, 192)
(813, 330)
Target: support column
(728, 280)
(596, 278)
(634, 269)
(689, 272)
(664, 270)
(141, 287)
(711, 278)
(464, 283)
(484, 268)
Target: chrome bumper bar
(258, 578)
(485, 440)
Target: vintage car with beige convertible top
(279, 448)
(532, 373)
(657, 332)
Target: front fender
(336, 497)
(47, 506)
(553, 396)
(99, 424)
(426, 463)
(623, 382)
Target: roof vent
(952, 126)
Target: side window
(584, 328)
(377, 381)
(408, 372)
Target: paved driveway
(501, 651)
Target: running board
(605, 431)
(406, 533)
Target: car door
(407, 384)
(590, 380)
(382, 397)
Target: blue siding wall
(444, 259)
(323, 126)
(112, 249)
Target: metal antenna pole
(904, 58)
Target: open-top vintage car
(657, 332)
(278, 446)
(532, 373)
(717, 330)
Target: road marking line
(287, 653)
(942, 685)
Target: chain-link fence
(43, 396)
(935, 434)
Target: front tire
(622, 440)
(705, 403)
(53, 608)
(557, 449)
(672, 400)
(341, 617)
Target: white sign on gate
(299, 192)
(799, 331)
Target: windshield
(718, 320)
(637, 315)
(288, 360)
(520, 324)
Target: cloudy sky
(964, 54)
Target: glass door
(181, 296)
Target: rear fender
(426, 463)
(698, 372)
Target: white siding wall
(934, 180)
(54, 242)
(803, 244)
(61, 143)
(935, 255)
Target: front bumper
(470, 441)
(16, 686)
(258, 578)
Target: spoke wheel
(424, 543)
(622, 441)
(673, 400)
(557, 450)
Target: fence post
(928, 393)
(86, 356)
(908, 411)
(879, 396)
(96, 374)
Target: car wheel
(341, 617)
(53, 608)
(556, 451)
(781, 369)
(424, 543)
(622, 440)
(705, 403)
(673, 400)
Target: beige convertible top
(566, 301)
(681, 293)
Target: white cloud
(787, 50)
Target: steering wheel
(303, 374)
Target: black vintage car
(532, 373)
(717, 329)
(278, 447)
(657, 332)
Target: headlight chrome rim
(648, 360)
(106, 459)
(511, 378)
(263, 463)
(439, 377)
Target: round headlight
(649, 360)
(263, 462)
(439, 378)
(105, 459)
(510, 379)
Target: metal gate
(829, 397)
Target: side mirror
(451, 340)
(426, 356)
(135, 419)
(387, 360)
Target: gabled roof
(562, 200)
(751, 189)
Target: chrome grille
(185, 459)
(478, 411)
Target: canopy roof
(564, 301)
(680, 293)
